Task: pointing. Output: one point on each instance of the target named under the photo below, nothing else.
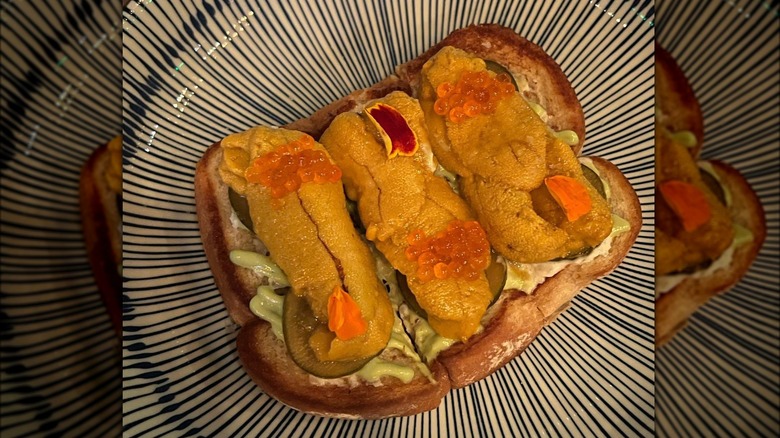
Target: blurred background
(719, 376)
(60, 101)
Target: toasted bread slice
(263, 355)
(101, 225)
(517, 318)
(673, 308)
(676, 106)
(538, 76)
(509, 325)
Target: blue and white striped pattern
(719, 375)
(195, 72)
(60, 93)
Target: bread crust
(673, 308)
(548, 85)
(264, 356)
(677, 107)
(519, 317)
(100, 222)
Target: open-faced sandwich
(709, 224)
(100, 197)
(415, 236)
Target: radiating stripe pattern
(719, 376)
(195, 72)
(60, 100)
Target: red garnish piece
(344, 316)
(687, 202)
(398, 136)
(570, 194)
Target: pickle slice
(693, 268)
(299, 324)
(352, 209)
(594, 180)
(241, 207)
(575, 254)
(712, 183)
(409, 298)
(498, 69)
(496, 276)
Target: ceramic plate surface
(720, 375)
(195, 72)
(60, 100)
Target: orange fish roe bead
(459, 251)
(457, 114)
(443, 89)
(441, 107)
(473, 94)
(284, 169)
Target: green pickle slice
(241, 207)
(594, 180)
(498, 69)
(299, 324)
(712, 183)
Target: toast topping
(459, 251)
(398, 136)
(503, 158)
(396, 196)
(473, 94)
(311, 238)
(284, 169)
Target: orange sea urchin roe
(475, 93)
(287, 167)
(459, 251)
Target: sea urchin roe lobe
(398, 136)
(460, 251)
(284, 169)
(473, 94)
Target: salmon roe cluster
(460, 251)
(475, 93)
(287, 167)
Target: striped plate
(194, 73)
(60, 93)
(719, 376)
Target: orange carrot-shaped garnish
(570, 194)
(687, 202)
(344, 316)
